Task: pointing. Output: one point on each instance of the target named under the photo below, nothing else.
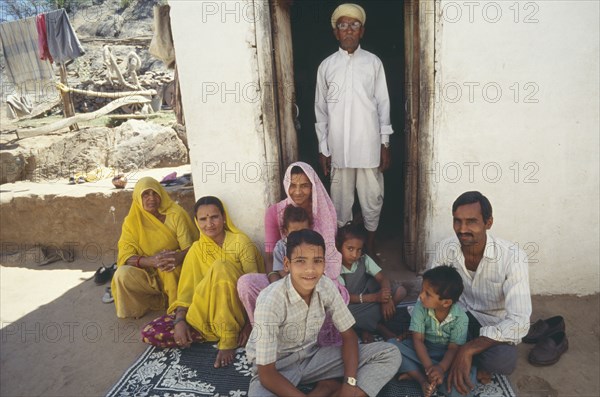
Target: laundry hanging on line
(40, 24)
(19, 41)
(63, 43)
(30, 44)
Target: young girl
(294, 219)
(372, 299)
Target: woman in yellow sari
(208, 307)
(155, 238)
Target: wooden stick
(68, 108)
(111, 65)
(46, 129)
(113, 95)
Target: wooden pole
(178, 102)
(60, 124)
(112, 95)
(68, 108)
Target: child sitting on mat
(439, 326)
(372, 298)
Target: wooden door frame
(275, 55)
(419, 37)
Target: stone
(146, 145)
(134, 145)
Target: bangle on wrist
(137, 261)
(360, 298)
(271, 273)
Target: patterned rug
(189, 372)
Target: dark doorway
(313, 41)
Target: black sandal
(104, 274)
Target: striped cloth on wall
(19, 41)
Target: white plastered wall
(531, 148)
(215, 45)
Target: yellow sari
(207, 286)
(135, 290)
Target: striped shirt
(497, 294)
(284, 324)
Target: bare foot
(400, 294)
(402, 336)
(385, 332)
(367, 337)
(224, 358)
(325, 388)
(483, 377)
(244, 334)
(428, 388)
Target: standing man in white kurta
(352, 109)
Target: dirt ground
(59, 339)
(85, 217)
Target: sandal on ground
(53, 254)
(108, 297)
(104, 274)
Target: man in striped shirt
(496, 294)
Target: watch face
(351, 381)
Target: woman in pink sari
(304, 189)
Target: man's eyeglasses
(345, 25)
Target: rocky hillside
(136, 144)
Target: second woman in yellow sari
(207, 298)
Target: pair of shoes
(542, 328)
(104, 274)
(108, 297)
(548, 350)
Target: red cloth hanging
(44, 51)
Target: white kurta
(352, 109)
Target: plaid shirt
(284, 324)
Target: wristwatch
(350, 380)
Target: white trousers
(368, 182)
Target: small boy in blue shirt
(439, 326)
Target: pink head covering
(324, 221)
(324, 218)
